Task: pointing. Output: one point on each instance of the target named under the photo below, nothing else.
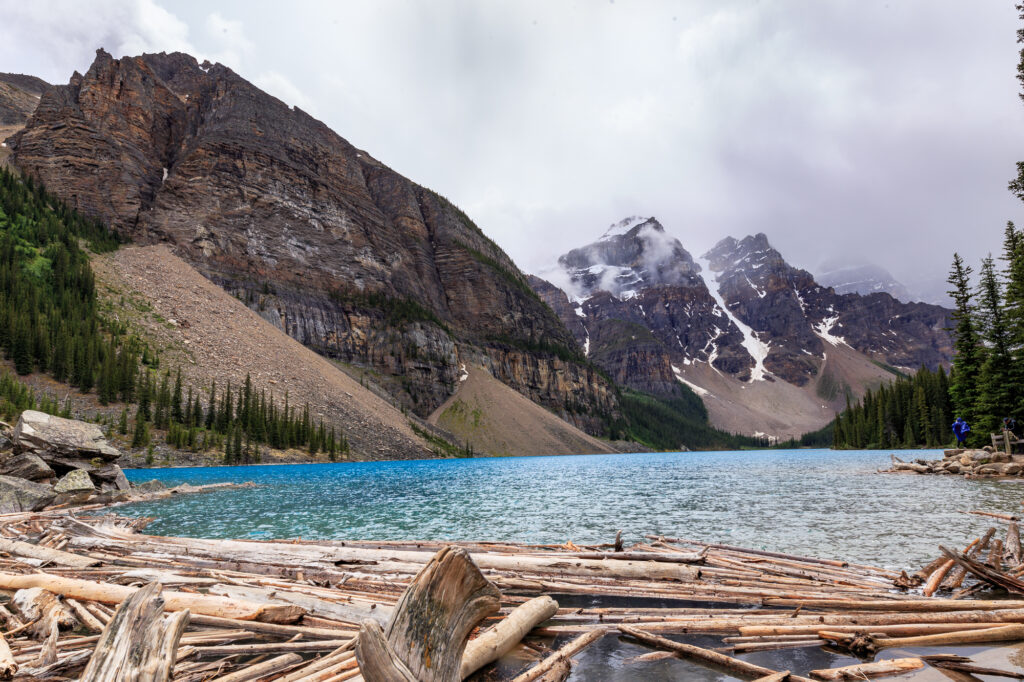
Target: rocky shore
(984, 463)
(48, 462)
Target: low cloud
(883, 132)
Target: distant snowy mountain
(865, 278)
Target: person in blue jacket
(960, 430)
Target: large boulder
(20, 495)
(111, 475)
(27, 465)
(75, 482)
(102, 473)
(992, 469)
(48, 436)
(148, 487)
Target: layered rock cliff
(326, 242)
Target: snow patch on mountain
(622, 227)
(824, 330)
(757, 348)
(702, 392)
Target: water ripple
(815, 502)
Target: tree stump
(138, 644)
(426, 636)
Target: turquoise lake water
(816, 502)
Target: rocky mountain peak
(631, 255)
(740, 317)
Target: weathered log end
(138, 643)
(427, 633)
(45, 610)
(377, 662)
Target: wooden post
(426, 636)
(138, 644)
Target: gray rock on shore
(38, 432)
(74, 482)
(21, 495)
(27, 465)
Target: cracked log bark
(139, 643)
(426, 635)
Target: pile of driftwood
(93, 598)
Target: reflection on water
(816, 502)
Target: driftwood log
(138, 644)
(427, 633)
(560, 657)
(734, 665)
(863, 671)
(107, 593)
(497, 641)
(8, 667)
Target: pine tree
(122, 424)
(140, 438)
(969, 354)
(994, 398)
(177, 414)
(211, 414)
(145, 390)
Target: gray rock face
(76, 481)
(41, 433)
(26, 465)
(20, 495)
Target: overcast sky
(877, 130)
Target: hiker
(960, 430)
(1010, 425)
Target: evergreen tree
(995, 400)
(140, 437)
(177, 414)
(969, 355)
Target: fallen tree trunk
(561, 656)
(1011, 546)
(54, 556)
(501, 638)
(862, 671)
(865, 645)
(138, 644)
(734, 665)
(108, 593)
(262, 670)
(982, 571)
